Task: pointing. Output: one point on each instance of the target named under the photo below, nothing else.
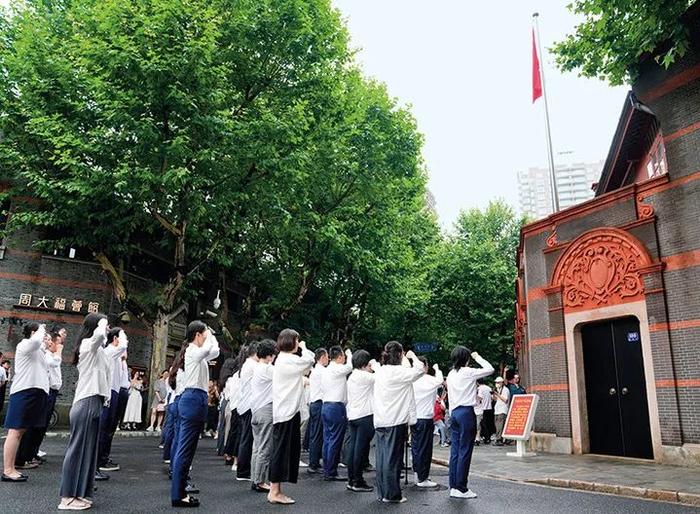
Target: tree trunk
(159, 353)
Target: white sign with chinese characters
(58, 304)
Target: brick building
(59, 290)
(608, 311)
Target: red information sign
(520, 416)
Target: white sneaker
(149, 429)
(426, 483)
(41, 453)
(234, 467)
(341, 465)
(303, 464)
(242, 479)
(158, 429)
(456, 493)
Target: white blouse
(334, 382)
(246, 376)
(425, 392)
(288, 384)
(53, 364)
(393, 394)
(94, 372)
(31, 371)
(461, 385)
(197, 363)
(360, 389)
(261, 386)
(233, 391)
(315, 389)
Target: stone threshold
(596, 487)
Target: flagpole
(550, 152)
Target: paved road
(142, 487)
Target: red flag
(536, 77)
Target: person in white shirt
(124, 383)
(27, 456)
(91, 392)
(394, 411)
(360, 420)
(4, 378)
(315, 406)
(501, 395)
(176, 380)
(192, 408)
(117, 343)
(424, 390)
(261, 405)
(233, 392)
(28, 396)
(245, 415)
(334, 385)
(483, 404)
(293, 361)
(461, 386)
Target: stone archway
(600, 276)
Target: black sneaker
(110, 465)
(349, 486)
(99, 476)
(313, 471)
(334, 478)
(362, 487)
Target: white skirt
(132, 414)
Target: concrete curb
(618, 490)
(120, 433)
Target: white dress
(132, 414)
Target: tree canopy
(239, 138)
(616, 34)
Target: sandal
(74, 504)
(286, 500)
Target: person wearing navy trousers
(315, 428)
(192, 408)
(461, 384)
(334, 414)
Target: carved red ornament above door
(600, 268)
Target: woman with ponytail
(461, 386)
(91, 392)
(192, 408)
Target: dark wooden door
(618, 413)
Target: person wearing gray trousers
(262, 446)
(78, 475)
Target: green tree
(472, 284)
(154, 125)
(616, 34)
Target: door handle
(612, 391)
(625, 390)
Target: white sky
(465, 68)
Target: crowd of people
(271, 400)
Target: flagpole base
(521, 450)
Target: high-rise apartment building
(574, 183)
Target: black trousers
(286, 450)
(488, 425)
(245, 445)
(31, 440)
(422, 447)
(315, 431)
(360, 433)
(390, 448)
(233, 436)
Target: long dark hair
(392, 354)
(460, 357)
(89, 325)
(178, 363)
(232, 365)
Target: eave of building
(635, 133)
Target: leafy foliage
(616, 34)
